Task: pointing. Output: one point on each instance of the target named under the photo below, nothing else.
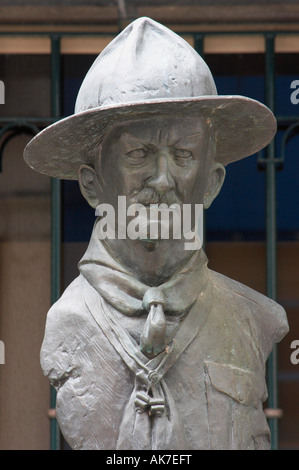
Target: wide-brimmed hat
(148, 71)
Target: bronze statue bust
(148, 348)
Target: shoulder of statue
(71, 301)
(68, 326)
(269, 316)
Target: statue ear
(89, 185)
(215, 181)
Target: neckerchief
(150, 420)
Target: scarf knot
(145, 403)
(152, 341)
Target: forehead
(160, 130)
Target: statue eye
(182, 157)
(136, 156)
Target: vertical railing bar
(271, 231)
(55, 218)
(199, 43)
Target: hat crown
(145, 61)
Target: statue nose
(162, 181)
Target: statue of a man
(148, 348)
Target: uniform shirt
(211, 378)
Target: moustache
(151, 196)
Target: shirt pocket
(234, 403)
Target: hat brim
(242, 127)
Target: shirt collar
(123, 291)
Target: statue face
(156, 161)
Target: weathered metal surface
(148, 348)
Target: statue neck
(150, 262)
